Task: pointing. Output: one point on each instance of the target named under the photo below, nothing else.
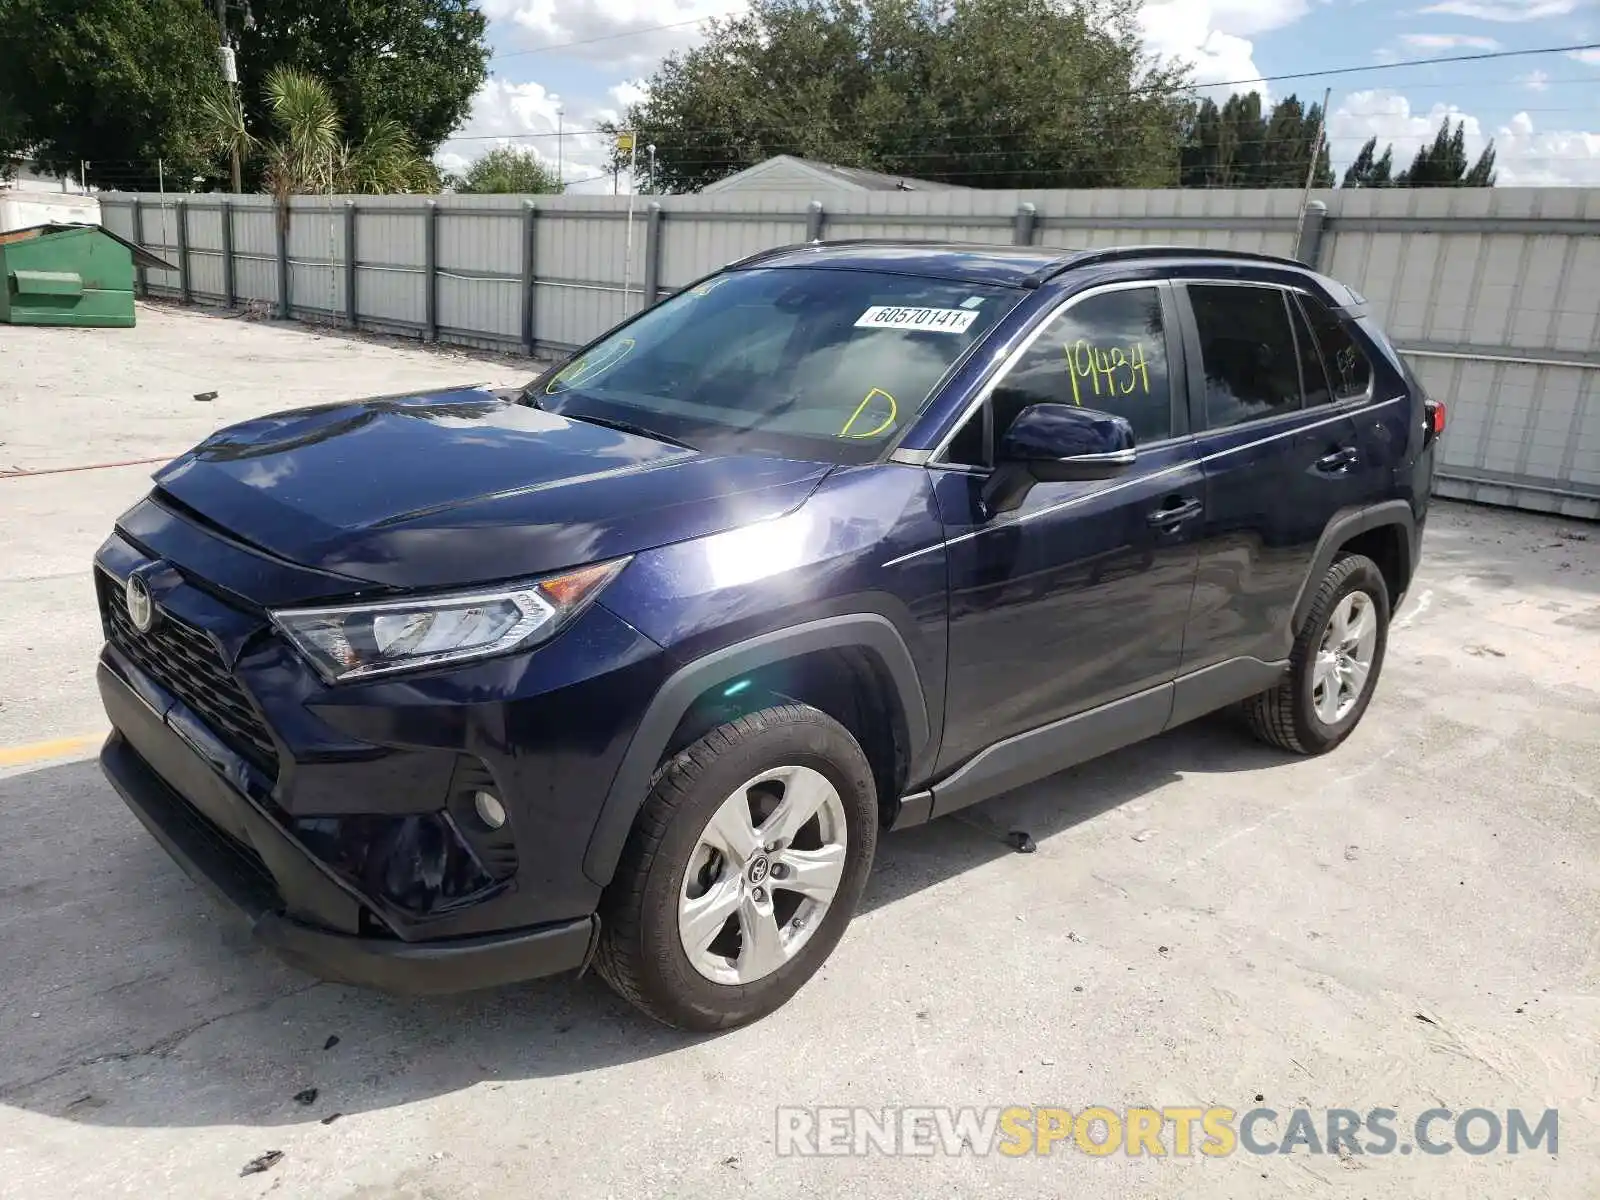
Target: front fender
(870, 632)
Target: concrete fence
(1493, 295)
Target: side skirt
(1039, 753)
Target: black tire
(641, 954)
(1286, 716)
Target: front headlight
(359, 640)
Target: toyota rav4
(634, 665)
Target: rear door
(1280, 459)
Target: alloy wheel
(762, 875)
(1344, 659)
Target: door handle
(1175, 512)
(1341, 459)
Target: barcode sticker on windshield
(925, 320)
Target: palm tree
(225, 129)
(309, 156)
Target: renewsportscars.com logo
(1014, 1131)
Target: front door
(1078, 598)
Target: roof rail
(1067, 257)
(1087, 258)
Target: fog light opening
(489, 809)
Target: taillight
(1433, 417)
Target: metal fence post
(814, 220)
(185, 293)
(530, 246)
(351, 312)
(140, 279)
(652, 253)
(1312, 222)
(230, 294)
(430, 272)
(1027, 218)
(281, 214)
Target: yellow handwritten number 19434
(1123, 369)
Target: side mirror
(1056, 443)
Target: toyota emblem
(141, 607)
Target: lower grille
(183, 660)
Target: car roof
(1014, 266)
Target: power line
(1154, 90)
(922, 125)
(1410, 62)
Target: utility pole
(561, 177)
(629, 141)
(1316, 154)
(230, 76)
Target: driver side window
(1106, 352)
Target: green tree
(509, 170)
(1444, 162)
(982, 93)
(1368, 171)
(308, 154)
(109, 82)
(414, 62)
(118, 82)
(1239, 146)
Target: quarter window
(1313, 378)
(1349, 369)
(1247, 350)
(1106, 352)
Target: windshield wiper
(629, 427)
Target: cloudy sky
(586, 59)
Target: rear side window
(1106, 352)
(1349, 369)
(1247, 349)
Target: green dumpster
(69, 275)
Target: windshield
(799, 362)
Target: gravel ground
(1410, 922)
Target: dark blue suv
(632, 666)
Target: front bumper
(226, 843)
(340, 819)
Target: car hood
(440, 489)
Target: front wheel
(742, 871)
(1334, 665)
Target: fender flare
(1340, 530)
(867, 631)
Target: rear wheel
(1334, 665)
(742, 871)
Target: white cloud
(1524, 157)
(1448, 41)
(1187, 30)
(1560, 158)
(524, 115)
(1591, 57)
(618, 33)
(1504, 10)
(628, 93)
(1535, 81)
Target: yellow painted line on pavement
(18, 756)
